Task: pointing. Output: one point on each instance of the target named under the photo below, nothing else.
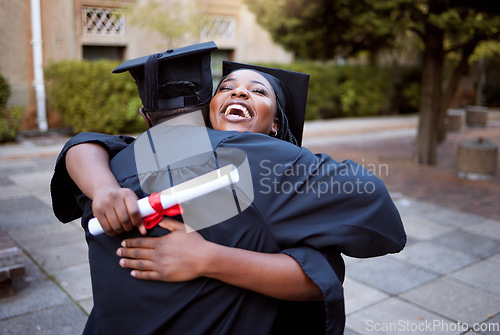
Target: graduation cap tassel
(151, 83)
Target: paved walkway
(446, 281)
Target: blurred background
(408, 89)
(365, 58)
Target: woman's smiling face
(244, 101)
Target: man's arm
(182, 256)
(64, 192)
(115, 207)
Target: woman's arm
(275, 275)
(181, 256)
(115, 207)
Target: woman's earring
(275, 132)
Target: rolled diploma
(183, 192)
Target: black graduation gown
(305, 205)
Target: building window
(95, 52)
(103, 22)
(217, 57)
(220, 27)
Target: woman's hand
(178, 256)
(182, 256)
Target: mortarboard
(290, 88)
(155, 75)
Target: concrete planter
(476, 116)
(454, 120)
(477, 159)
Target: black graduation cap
(290, 88)
(157, 75)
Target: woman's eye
(260, 91)
(224, 88)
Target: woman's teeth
(238, 110)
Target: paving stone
(473, 244)
(34, 181)
(86, 304)
(488, 228)
(358, 295)
(389, 275)
(46, 235)
(494, 259)
(348, 331)
(4, 181)
(350, 260)
(453, 217)
(424, 229)
(435, 257)
(44, 196)
(490, 327)
(10, 206)
(13, 191)
(393, 316)
(457, 301)
(483, 275)
(59, 320)
(15, 166)
(48, 162)
(24, 212)
(407, 206)
(32, 292)
(60, 256)
(75, 280)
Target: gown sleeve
(312, 200)
(322, 317)
(62, 188)
(317, 208)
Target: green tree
(322, 29)
(176, 20)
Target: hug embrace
(245, 259)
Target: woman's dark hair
(284, 132)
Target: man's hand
(178, 256)
(115, 207)
(117, 210)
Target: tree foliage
(322, 29)
(175, 20)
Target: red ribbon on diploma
(155, 201)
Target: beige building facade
(92, 29)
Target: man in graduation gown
(291, 201)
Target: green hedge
(357, 90)
(90, 98)
(4, 91)
(10, 122)
(10, 117)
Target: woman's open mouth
(237, 112)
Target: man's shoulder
(248, 141)
(91, 136)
